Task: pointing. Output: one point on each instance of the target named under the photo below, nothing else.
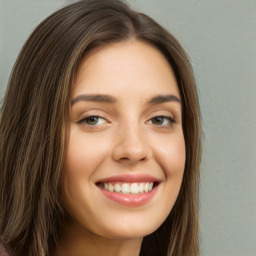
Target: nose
(131, 145)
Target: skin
(126, 139)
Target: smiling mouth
(134, 188)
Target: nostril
(133, 159)
(124, 158)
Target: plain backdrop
(220, 37)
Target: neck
(76, 241)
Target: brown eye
(158, 120)
(92, 120)
(161, 121)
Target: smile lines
(128, 188)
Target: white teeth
(129, 188)
(134, 188)
(125, 188)
(150, 187)
(110, 188)
(146, 187)
(117, 187)
(141, 187)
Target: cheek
(171, 154)
(83, 157)
(85, 153)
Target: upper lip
(129, 178)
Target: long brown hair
(34, 116)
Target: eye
(93, 120)
(162, 121)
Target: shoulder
(3, 251)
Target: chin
(130, 229)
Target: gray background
(220, 37)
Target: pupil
(158, 120)
(92, 120)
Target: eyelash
(169, 119)
(83, 121)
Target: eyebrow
(110, 99)
(163, 98)
(94, 97)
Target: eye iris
(158, 120)
(92, 120)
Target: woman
(100, 138)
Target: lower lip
(128, 199)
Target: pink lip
(130, 199)
(129, 178)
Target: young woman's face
(126, 150)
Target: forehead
(130, 66)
